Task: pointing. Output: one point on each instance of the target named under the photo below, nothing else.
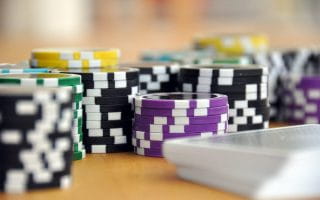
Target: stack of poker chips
(282, 63)
(156, 76)
(79, 60)
(162, 116)
(233, 44)
(108, 111)
(57, 80)
(301, 97)
(245, 86)
(35, 138)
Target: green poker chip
(78, 113)
(79, 155)
(78, 122)
(77, 138)
(78, 146)
(77, 105)
(78, 98)
(41, 79)
(78, 89)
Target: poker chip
(106, 132)
(163, 136)
(193, 128)
(148, 152)
(16, 70)
(74, 53)
(245, 85)
(69, 64)
(111, 92)
(110, 84)
(53, 80)
(116, 148)
(107, 100)
(110, 116)
(106, 109)
(32, 155)
(215, 70)
(180, 120)
(180, 100)
(156, 76)
(123, 139)
(233, 44)
(161, 116)
(103, 75)
(107, 106)
(182, 112)
(107, 124)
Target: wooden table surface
(126, 176)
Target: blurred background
(136, 25)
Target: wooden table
(127, 176)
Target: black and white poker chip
(110, 84)
(118, 92)
(107, 100)
(223, 70)
(108, 108)
(102, 148)
(120, 74)
(106, 132)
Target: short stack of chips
(35, 138)
(245, 86)
(108, 111)
(57, 80)
(162, 116)
(301, 95)
(156, 76)
(233, 44)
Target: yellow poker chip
(75, 54)
(234, 44)
(71, 64)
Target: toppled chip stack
(108, 111)
(35, 138)
(162, 116)
(57, 80)
(301, 94)
(233, 44)
(245, 86)
(156, 76)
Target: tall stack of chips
(301, 94)
(35, 138)
(57, 80)
(233, 44)
(76, 60)
(108, 111)
(283, 63)
(162, 116)
(245, 86)
(156, 76)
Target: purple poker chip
(180, 100)
(148, 152)
(182, 112)
(165, 136)
(194, 128)
(181, 120)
